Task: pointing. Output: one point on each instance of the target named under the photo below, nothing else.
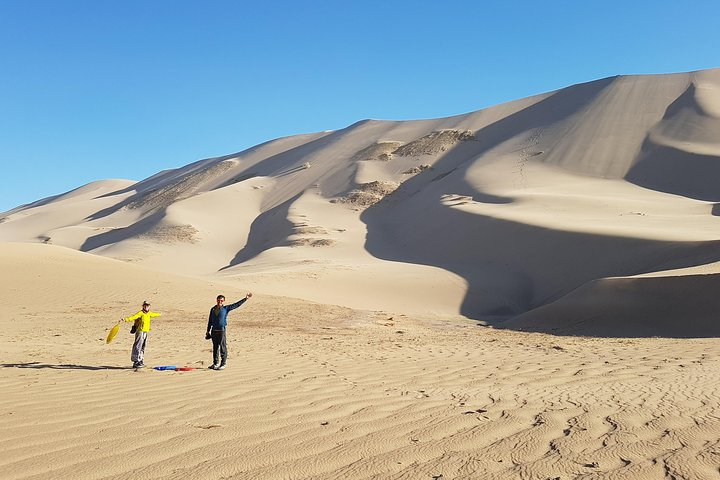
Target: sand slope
(325, 392)
(493, 214)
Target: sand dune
(320, 391)
(520, 204)
(643, 306)
(525, 291)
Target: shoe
(221, 367)
(214, 366)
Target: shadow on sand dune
(667, 169)
(270, 229)
(674, 170)
(510, 268)
(668, 306)
(120, 234)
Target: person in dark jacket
(216, 328)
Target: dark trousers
(219, 346)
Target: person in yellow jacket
(142, 319)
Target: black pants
(219, 346)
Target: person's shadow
(68, 366)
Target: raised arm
(235, 305)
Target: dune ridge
(520, 204)
(524, 291)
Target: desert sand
(525, 291)
(321, 391)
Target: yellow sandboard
(113, 331)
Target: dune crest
(526, 202)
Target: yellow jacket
(144, 319)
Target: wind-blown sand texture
(320, 391)
(525, 291)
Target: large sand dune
(583, 224)
(494, 214)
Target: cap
(146, 302)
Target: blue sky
(102, 89)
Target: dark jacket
(219, 321)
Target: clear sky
(99, 89)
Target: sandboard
(113, 333)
